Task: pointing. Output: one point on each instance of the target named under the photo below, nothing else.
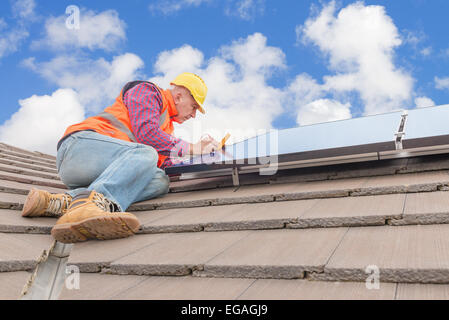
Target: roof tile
(20, 252)
(32, 180)
(12, 221)
(408, 291)
(231, 217)
(12, 284)
(274, 289)
(23, 188)
(95, 286)
(37, 162)
(400, 253)
(176, 254)
(187, 288)
(276, 254)
(91, 256)
(19, 164)
(352, 211)
(342, 196)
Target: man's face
(186, 106)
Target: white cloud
(307, 98)
(413, 37)
(239, 99)
(87, 85)
(24, 9)
(416, 39)
(169, 63)
(168, 7)
(11, 39)
(3, 24)
(245, 9)
(104, 30)
(427, 51)
(442, 83)
(323, 110)
(304, 89)
(359, 43)
(254, 56)
(422, 102)
(97, 82)
(41, 121)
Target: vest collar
(172, 111)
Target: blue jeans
(124, 172)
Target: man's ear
(177, 97)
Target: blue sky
(268, 64)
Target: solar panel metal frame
(354, 153)
(307, 155)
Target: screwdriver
(223, 141)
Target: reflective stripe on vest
(120, 126)
(116, 123)
(163, 117)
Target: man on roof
(118, 157)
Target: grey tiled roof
(301, 234)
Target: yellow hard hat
(195, 85)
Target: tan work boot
(41, 203)
(91, 216)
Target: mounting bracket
(235, 177)
(401, 131)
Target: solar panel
(427, 126)
(374, 133)
(358, 139)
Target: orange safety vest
(114, 120)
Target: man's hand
(206, 145)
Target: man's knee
(161, 183)
(164, 182)
(147, 155)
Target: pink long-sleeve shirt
(144, 103)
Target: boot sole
(100, 228)
(31, 203)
